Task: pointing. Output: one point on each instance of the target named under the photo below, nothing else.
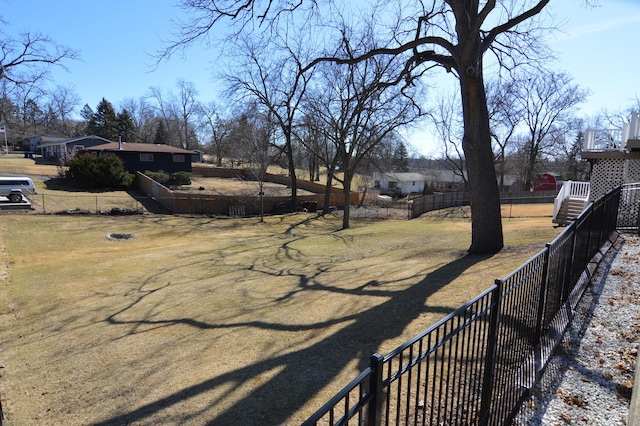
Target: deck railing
(613, 139)
(571, 189)
(478, 364)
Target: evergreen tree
(401, 158)
(100, 172)
(104, 122)
(161, 136)
(86, 113)
(126, 126)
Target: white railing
(571, 189)
(613, 139)
(631, 130)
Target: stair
(569, 210)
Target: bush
(100, 172)
(166, 179)
(160, 177)
(181, 178)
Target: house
(35, 141)
(145, 156)
(444, 180)
(64, 148)
(399, 183)
(614, 155)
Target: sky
(117, 40)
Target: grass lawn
(223, 321)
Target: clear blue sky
(116, 39)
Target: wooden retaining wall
(208, 171)
(199, 203)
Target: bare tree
(452, 34)
(447, 121)
(144, 118)
(30, 113)
(311, 139)
(179, 113)
(251, 134)
(63, 101)
(548, 101)
(217, 130)
(186, 109)
(570, 145)
(271, 75)
(505, 115)
(359, 109)
(166, 113)
(27, 57)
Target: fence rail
(197, 203)
(444, 200)
(479, 363)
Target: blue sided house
(138, 157)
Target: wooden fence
(202, 203)
(443, 200)
(208, 171)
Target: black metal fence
(479, 363)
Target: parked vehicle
(14, 187)
(547, 182)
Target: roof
(138, 147)
(405, 177)
(64, 141)
(442, 175)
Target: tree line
(333, 88)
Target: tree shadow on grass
(304, 373)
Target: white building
(399, 183)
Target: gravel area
(590, 379)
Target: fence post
(570, 260)
(490, 357)
(375, 388)
(543, 293)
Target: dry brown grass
(236, 186)
(17, 164)
(222, 321)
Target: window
(179, 158)
(376, 184)
(393, 185)
(146, 157)
(78, 147)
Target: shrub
(160, 177)
(181, 178)
(100, 172)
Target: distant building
(399, 184)
(444, 180)
(60, 148)
(146, 156)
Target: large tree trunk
(293, 181)
(486, 220)
(531, 165)
(346, 184)
(327, 193)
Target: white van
(14, 187)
